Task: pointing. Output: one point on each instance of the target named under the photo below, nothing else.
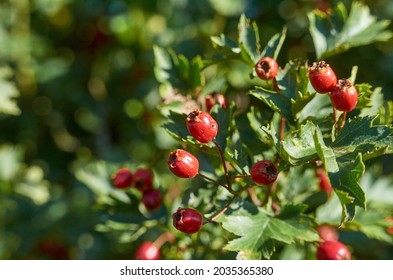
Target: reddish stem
(223, 163)
(253, 197)
(214, 181)
(165, 237)
(344, 116)
(222, 211)
(282, 128)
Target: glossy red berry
(333, 250)
(187, 220)
(322, 77)
(201, 126)
(215, 98)
(143, 179)
(264, 172)
(327, 232)
(183, 164)
(344, 96)
(266, 68)
(123, 178)
(324, 183)
(147, 251)
(152, 199)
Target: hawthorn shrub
(272, 160)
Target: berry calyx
(147, 251)
(215, 98)
(143, 179)
(333, 250)
(152, 199)
(324, 183)
(123, 178)
(183, 164)
(266, 68)
(327, 232)
(201, 126)
(187, 220)
(322, 77)
(264, 172)
(344, 96)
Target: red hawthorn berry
(322, 77)
(123, 178)
(183, 164)
(187, 220)
(266, 68)
(143, 179)
(215, 98)
(324, 184)
(264, 172)
(344, 96)
(201, 126)
(333, 250)
(147, 251)
(152, 199)
(327, 232)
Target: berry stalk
(229, 183)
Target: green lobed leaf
(359, 135)
(277, 102)
(337, 31)
(326, 154)
(346, 185)
(251, 139)
(259, 231)
(177, 70)
(293, 95)
(299, 146)
(249, 39)
(176, 126)
(225, 45)
(215, 84)
(373, 224)
(274, 45)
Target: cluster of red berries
(183, 164)
(342, 93)
(142, 180)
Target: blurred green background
(77, 85)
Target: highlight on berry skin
(333, 250)
(266, 68)
(183, 164)
(322, 77)
(201, 126)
